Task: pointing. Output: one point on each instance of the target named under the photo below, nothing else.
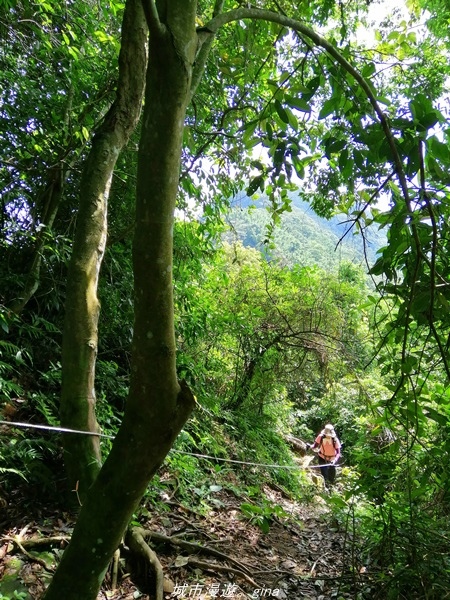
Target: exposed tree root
(19, 544)
(22, 545)
(115, 569)
(192, 547)
(135, 540)
(38, 542)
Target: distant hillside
(302, 237)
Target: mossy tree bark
(158, 406)
(79, 348)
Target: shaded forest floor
(303, 553)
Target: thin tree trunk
(47, 204)
(51, 199)
(157, 406)
(79, 348)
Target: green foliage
(35, 460)
(8, 471)
(116, 319)
(258, 439)
(10, 359)
(56, 84)
(267, 346)
(396, 541)
(254, 325)
(23, 455)
(15, 596)
(262, 514)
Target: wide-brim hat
(329, 430)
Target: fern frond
(4, 470)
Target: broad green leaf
(436, 416)
(328, 108)
(281, 111)
(299, 103)
(438, 149)
(255, 184)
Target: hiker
(329, 451)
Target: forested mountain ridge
(302, 237)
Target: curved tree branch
(267, 15)
(205, 42)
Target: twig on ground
(115, 569)
(188, 522)
(22, 545)
(214, 568)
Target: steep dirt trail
(302, 555)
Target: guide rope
(197, 455)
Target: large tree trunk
(157, 407)
(79, 349)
